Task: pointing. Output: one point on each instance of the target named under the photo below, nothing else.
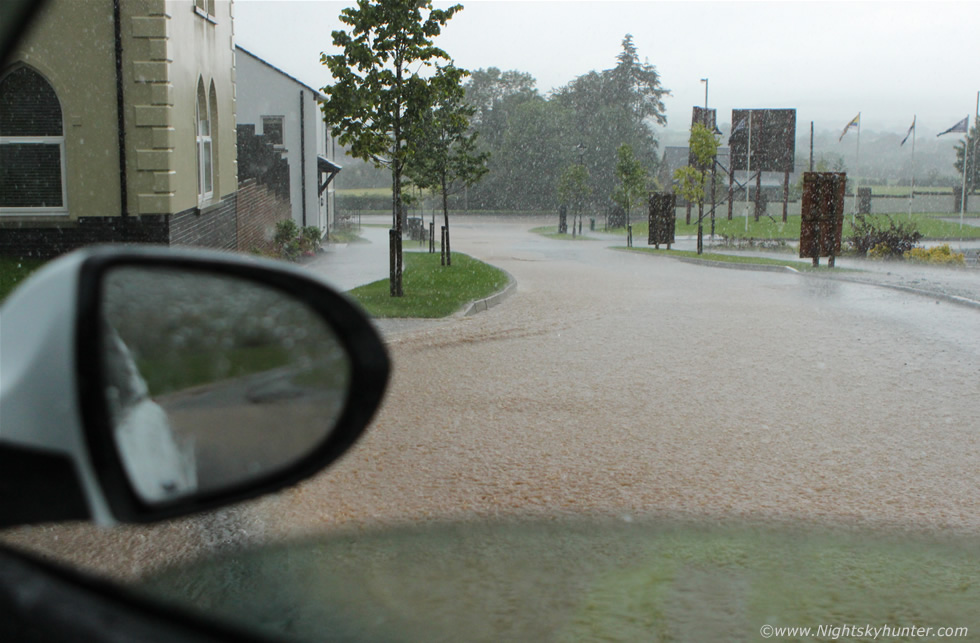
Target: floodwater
(617, 382)
(621, 383)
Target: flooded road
(622, 383)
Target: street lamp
(705, 81)
(581, 161)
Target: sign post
(822, 219)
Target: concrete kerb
(757, 267)
(953, 299)
(932, 294)
(487, 303)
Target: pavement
(346, 266)
(349, 265)
(954, 284)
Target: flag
(960, 127)
(909, 133)
(738, 127)
(855, 122)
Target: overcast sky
(829, 60)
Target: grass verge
(13, 271)
(928, 224)
(432, 290)
(551, 232)
(364, 192)
(346, 236)
(723, 258)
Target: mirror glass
(214, 380)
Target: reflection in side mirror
(213, 380)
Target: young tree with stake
(376, 82)
(444, 155)
(632, 177)
(573, 188)
(692, 178)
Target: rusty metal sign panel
(707, 118)
(773, 139)
(662, 219)
(823, 214)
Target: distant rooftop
(317, 92)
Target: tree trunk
(445, 214)
(395, 278)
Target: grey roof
(319, 95)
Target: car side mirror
(141, 383)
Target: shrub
(309, 240)
(285, 238)
(880, 251)
(938, 254)
(292, 241)
(892, 240)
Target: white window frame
(282, 129)
(61, 210)
(204, 142)
(46, 211)
(206, 9)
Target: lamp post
(581, 161)
(705, 81)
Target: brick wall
(259, 208)
(49, 239)
(211, 227)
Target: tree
(376, 81)
(445, 154)
(633, 179)
(515, 126)
(692, 178)
(616, 106)
(524, 160)
(573, 188)
(638, 85)
(486, 88)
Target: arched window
(215, 132)
(32, 145)
(205, 174)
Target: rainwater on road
(630, 384)
(624, 383)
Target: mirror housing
(59, 456)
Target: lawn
(432, 290)
(13, 271)
(364, 192)
(928, 224)
(551, 231)
(724, 258)
(346, 235)
(903, 190)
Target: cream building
(117, 123)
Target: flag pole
(976, 144)
(966, 148)
(912, 190)
(857, 165)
